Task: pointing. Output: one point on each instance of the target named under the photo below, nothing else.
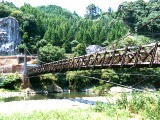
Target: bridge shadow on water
(84, 101)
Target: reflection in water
(49, 96)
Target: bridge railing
(142, 56)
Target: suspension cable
(108, 81)
(31, 55)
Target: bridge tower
(26, 81)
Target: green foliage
(4, 11)
(17, 14)
(11, 81)
(144, 105)
(41, 43)
(21, 48)
(138, 13)
(132, 76)
(123, 102)
(77, 81)
(111, 110)
(80, 49)
(109, 74)
(134, 41)
(51, 53)
(99, 107)
(55, 10)
(102, 88)
(69, 114)
(92, 12)
(118, 30)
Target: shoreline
(49, 104)
(11, 94)
(38, 105)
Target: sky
(73, 5)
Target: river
(64, 95)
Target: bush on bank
(11, 81)
(137, 105)
(82, 79)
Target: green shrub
(152, 111)
(77, 79)
(99, 107)
(51, 53)
(123, 102)
(102, 89)
(11, 81)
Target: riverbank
(52, 104)
(23, 93)
(11, 94)
(37, 105)
(135, 106)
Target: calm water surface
(49, 96)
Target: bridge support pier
(26, 82)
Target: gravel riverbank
(11, 94)
(36, 105)
(50, 104)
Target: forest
(59, 34)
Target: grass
(72, 114)
(141, 106)
(7, 90)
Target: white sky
(73, 5)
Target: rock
(67, 90)
(114, 90)
(147, 88)
(9, 36)
(94, 48)
(54, 88)
(87, 90)
(29, 91)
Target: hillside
(55, 11)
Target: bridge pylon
(26, 81)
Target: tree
(93, 11)
(25, 37)
(110, 10)
(4, 11)
(41, 43)
(80, 49)
(137, 14)
(51, 53)
(17, 14)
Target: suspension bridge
(142, 56)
